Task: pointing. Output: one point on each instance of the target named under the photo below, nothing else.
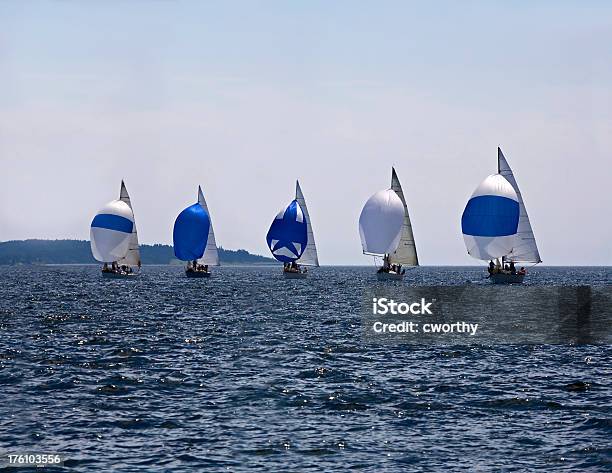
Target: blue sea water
(248, 371)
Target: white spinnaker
(110, 245)
(211, 254)
(526, 249)
(309, 257)
(405, 253)
(132, 258)
(381, 222)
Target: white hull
(109, 275)
(290, 275)
(501, 278)
(383, 276)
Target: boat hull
(501, 278)
(197, 274)
(389, 276)
(118, 275)
(290, 275)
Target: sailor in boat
(194, 267)
(496, 268)
(387, 267)
(116, 269)
(293, 267)
(505, 268)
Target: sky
(245, 97)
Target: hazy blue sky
(245, 97)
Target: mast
(310, 256)
(405, 253)
(132, 258)
(526, 248)
(211, 254)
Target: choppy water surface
(247, 370)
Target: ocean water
(248, 371)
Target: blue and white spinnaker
(288, 234)
(111, 231)
(490, 220)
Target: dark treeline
(78, 252)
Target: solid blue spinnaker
(191, 233)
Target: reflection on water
(247, 370)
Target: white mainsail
(525, 249)
(211, 254)
(132, 258)
(405, 252)
(309, 257)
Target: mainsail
(525, 249)
(211, 254)
(490, 219)
(381, 222)
(405, 253)
(132, 258)
(309, 257)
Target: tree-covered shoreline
(78, 252)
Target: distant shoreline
(41, 252)
(272, 265)
(64, 252)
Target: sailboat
(496, 226)
(386, 231)
(291, 238)
(194, 239)
(114, 239)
